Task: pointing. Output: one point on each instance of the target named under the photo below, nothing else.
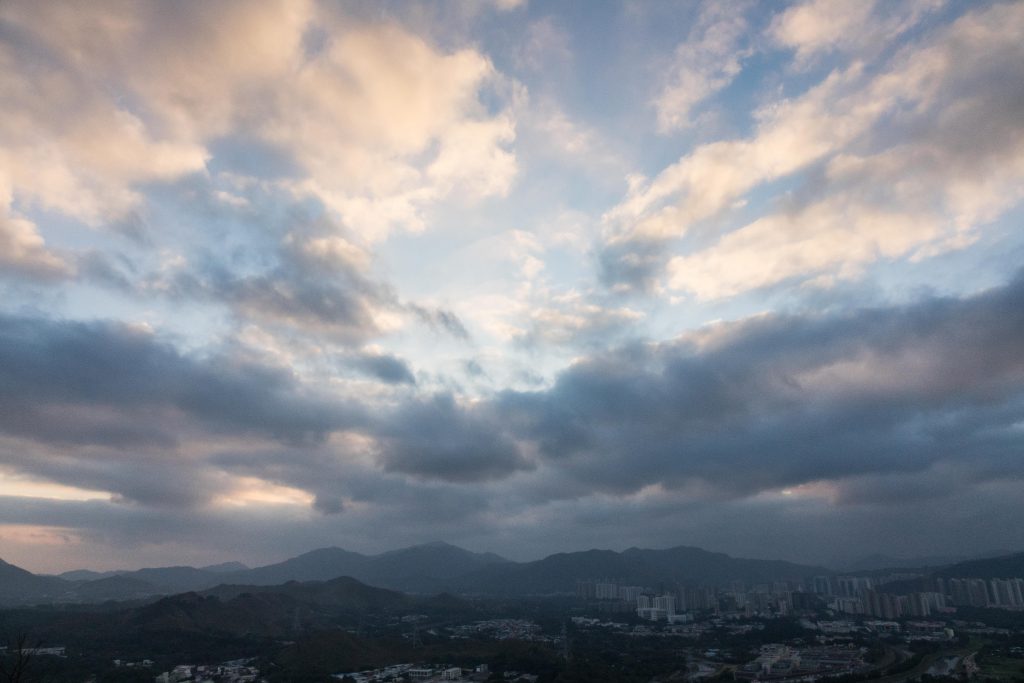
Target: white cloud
(703, 65)
(878, 200)
(820, 26)
(790, 135)
(572, 318)
(957, 168)
(379, 123)
(22, 249)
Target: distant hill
(340, 593)
(17, 584)
(225, 568)
(428, 568)
(115, 587)
(1007, 566)
(880, 562)
(262, 612)
(317, 565)
(424, 569)
(559, 573)
(176, 579)
(85, 575)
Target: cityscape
(759, 621)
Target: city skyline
(523, 277)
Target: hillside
(1008, 566)
(423, 569)
(427, 568)
(559, 573)
(17, 585)
(317, 565)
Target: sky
(523, 277)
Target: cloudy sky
(524, 277)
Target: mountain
(1005, 567)
(20, 585)
(85, 575)
(232, 622)
(225, 568)
(316, 565)
(176, 579)
(430, 568)
(879, 562)
(559, 573)
(115, 587)
(340, 593)
(426, 568)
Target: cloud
(438, 439)
(127, 368)
(316, 280)
(242, 178)
(573, 319)
(703, 65)
(927, 194)
(374, 137)
(817, 27)
(82, 400)
(387, 368)
(806, 420)
(440, 319)
(778, 401)
(853, 117)
(23, 251)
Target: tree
(17, 660)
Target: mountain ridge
(439, 567)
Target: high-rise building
(667, 603)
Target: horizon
(527, 277)
(835, 566)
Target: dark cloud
(107, 406)
(440, 319)
(632, 264)
(314, 280)
(295, 293)
(110, 366)
(439, 439)
(387, 368)
(328, 504)
(886, 411)
(113, 271)
(783, 400)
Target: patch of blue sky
(250, 157)
(62, 231)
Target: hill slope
(559, 573)
(1008, 566)
(20, 585)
